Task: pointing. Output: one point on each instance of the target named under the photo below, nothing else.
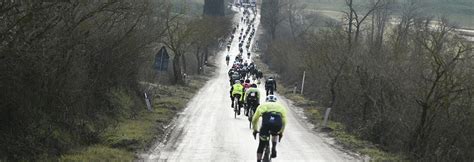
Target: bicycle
(236, 105)
(250, 113)
(266, 152)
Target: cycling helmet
(237, 81)
(247, 81)
(253, 85)
(270, 78)
(236, 73)
(271, 98)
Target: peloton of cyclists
(273, 114)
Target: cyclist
(235, 76)
(237, 90)
(228, 47)
(246, 85)
(253, 69)
(252, 98)
(231, 71)
(259, 75)
(227, 58)
(270, 85)
(243, 72)
(273, 123)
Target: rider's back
(272, 107)
(269, 109)
(246, 85)
(235, 76)
(269, 83)
(252, 94)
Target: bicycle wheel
(236, 106)
(266, 154)
(246, 109)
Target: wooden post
(302, 83)
(326, 116)
(148, 103)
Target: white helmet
(237, 81)
(271, 98)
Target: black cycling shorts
(271, 125)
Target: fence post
(147, 101)
(302, 83)
(326, 116)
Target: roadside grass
(314, 114)
(130, 135)
(98, 153)
(352, 142)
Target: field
(459, 12)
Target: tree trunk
(185, 67)
(351, 19)
(199, 61)
(178, 79)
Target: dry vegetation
(70, 70)
(407, 89)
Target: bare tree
(272, 15)
(356, 20)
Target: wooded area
(70, 69)
(408, 88)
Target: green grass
(352, 142)
(98, 153)
(134, 134)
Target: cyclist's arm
(255, 117)
(258, 96)
(283, 119)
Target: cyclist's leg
(264, 139)
(239, 103)
(232, 99)
(274, 129)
